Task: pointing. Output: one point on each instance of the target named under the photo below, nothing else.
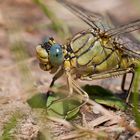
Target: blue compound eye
(56, 55)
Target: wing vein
(135, 25)
(79, 11)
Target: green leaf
(38, 101)
(67, 108)
(72, 114)
(104, 96)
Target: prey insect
(90, 54)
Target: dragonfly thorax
(93, 54)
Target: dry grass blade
(61, 121)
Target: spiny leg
(107, 74)
(69, 82)
(123, 83)
(82, 93)
(70, 87)
(56, 76)
(115, 73)
(130, 87)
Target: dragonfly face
(50, 54)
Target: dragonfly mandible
(90, 54)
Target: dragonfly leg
(69, 81)
(130, 87)
(123, 83)
(115, 73)
(108, 74)
(81, 92)
(72, 85)
(56, 76)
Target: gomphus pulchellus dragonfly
(90, 54)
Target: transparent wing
(87, 16)
(135, 25)
(94, 20)
(130, 48)
(130, 45)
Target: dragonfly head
(50, 54)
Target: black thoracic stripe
(72, 57)
(92, 45)
(91, 59)
(66, 56)
(83, 33)
(105, 58)
(69, 49)
(79, 35)
(82, 45)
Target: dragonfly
(94, 53)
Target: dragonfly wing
(87, 16)
(129, 47)
(95, 21)
(131, 44)
(135, 25)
